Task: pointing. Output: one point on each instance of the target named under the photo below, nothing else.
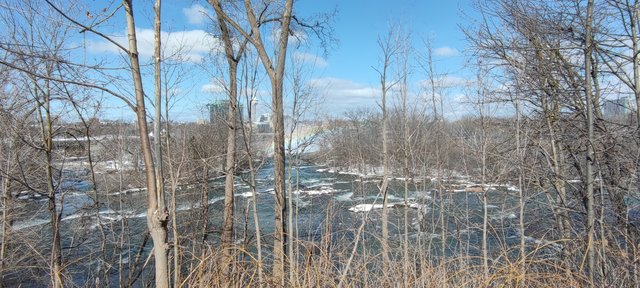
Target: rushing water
(324, 202)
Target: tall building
(264, 124)
(219, 109)
(618, 107)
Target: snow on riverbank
(369, 207)
(453, 180)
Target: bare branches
(90, 28)
(73, 82)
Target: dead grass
(324, 269)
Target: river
(328, 204)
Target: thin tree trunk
(292, 260)
(385, 181)
(485, 212)
(248, 139)
(407, 147)
(634, 26)
(204, 205)
(521, 199)
(157, 137)
(6, 214)
(588, 50)
(46, 134)
(290, 234)
(157, 215)
(96, 195)
(232, 121)
(276, 75)
(174, 178)
(484, 190)
(556, 163)
(229, 205)
(279, 182)
(388, 52)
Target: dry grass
(324, 269)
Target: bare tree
(38, 62)
(157, 215)
(157, 140)
(482, 103)
(590, 157)
(233, 58)
(275, 70)
(404, 52)
(389, 47)
(250, 71)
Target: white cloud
(196, 14)
(188, 45)
(310, 59)
(341, 95)
(447, 82)
(213, 88)
(445, 51)
(458, 106)
(461, 98)
(455, 81)
(344, 88)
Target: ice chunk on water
(366, 207)
(344, 197)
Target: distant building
(264, 124)
(618, 107)
(219, 110)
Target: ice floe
(369, 207)
(344, 197)
(247, 194)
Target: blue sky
(345, 78)
(360, 23)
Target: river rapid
(329, 206)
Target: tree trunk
(276, 75)
(590, 140)
(388, 52)
(232, 121)
(521, 198)
(46, 135)
(228, 214)
(280, 206)
(634, 23)
(247, 133)
(6, 215)
(385, 175)
(157, 215)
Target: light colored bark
(389, 49)
(157, 215)
(232, 62)
(483, 160)
(590, 157)
(403, 73)
(247, 133)
(521, 199)
(6, 213)
(634, 22)
(276, 76)
(43, 100)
